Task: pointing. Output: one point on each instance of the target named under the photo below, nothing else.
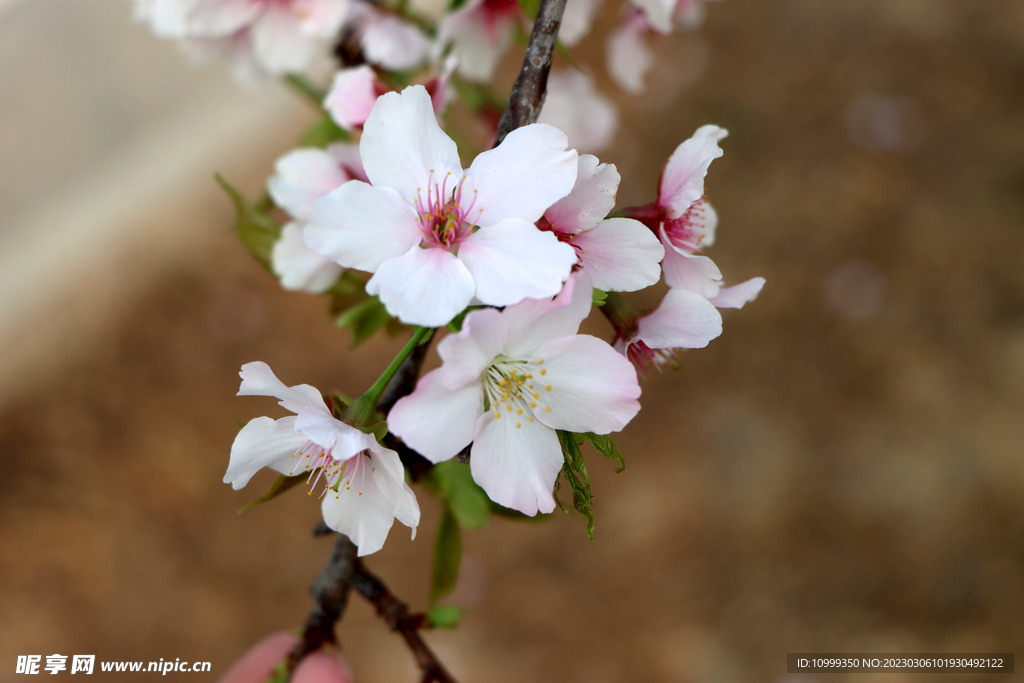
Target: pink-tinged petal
(280, 44)
(682, 180)
(620, 255)
(330, 433)
(576, 108)
(738, 295)
(586, 384)
(301, 177)
(683, 320)
(658, 13)
(535, 322)
(689, 13)
(213, 18)
(516, 462)
(528, 172)
(352, 96)
(261, 443)
(591, 198)
(710, 130)
(403, 147)
(359, 509)
(467, 354)
(389, 474)
(298, 267)
(361, 226)
(435, 421)
(629, 58)
(576, 20)
(425, 287)
(478, 38)
(697, 274)
(394, 44)
(320, 18)
(347, 157)
(259, 380)
(513, 260)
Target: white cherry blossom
(437, 237)
(509, 380)
(479, 33)
(364, 483)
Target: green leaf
(281, 485)
(530, 7)
(445, 616)
(575, 472)
(256, 229)
(606, 446)
(364, 319)
(379, 429)
(324, 132)
(447, 556)
(600, 296)
(467, 501)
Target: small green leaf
(378, 429)
(447, 557)
(575, 472)
(364, 319)
(600, 296)
(281, 485)
(530, 7)
(606, 446)
(445, 616)
(324, 132)
(256, 229)
(466, 500)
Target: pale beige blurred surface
(842, 470)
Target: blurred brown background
(842, 470)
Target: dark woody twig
(527, 96)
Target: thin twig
(398, 618)
(527, 96)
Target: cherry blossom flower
(479, 33)
(436, 237)
(575, 107)
(386, 39)
(509, 380)
(301, 177)
(364, 483)
(280, 33)
(662, 14)
(355, 90)
(629, 58)
(618, 254)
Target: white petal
(280, 44)
(682, 270)
(576, 108)
(467, 354)
(629, 59)
(682, 180)
(479, 38)
(259, 380)
(739, 295)
(352, 96)
(332, 434)
(620, 255)
(300, 268)
(513, 260)
(321, 18)
(592, 387)
(346, 155)
(359, 509)
(590, 200)
(213, 18)
(516, 466)
(576, 20)
(361, 226)
(403, 147)
(389, 474)
(658, 13)
(394, 44)
(683, 320)
(301, 177)
(435, 421)
(261, 443)
(712, 131)
(425, 287)
(534, 322)
(528, 172)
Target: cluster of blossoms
(511, 254)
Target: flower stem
(361, 413)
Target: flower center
(689, 230)
(339, 475)
(511, 390)
(442, 214)
(646, 360)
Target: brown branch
(398, 618)
(527, 96)
(331, 590)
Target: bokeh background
(843, 470)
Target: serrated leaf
(364, 319)
(606, 446)
(257, 231)
(281, 485)
(454, 483)
(324, 132)
(600, 296)
(575, 472)
(447, 557)
(445, 616)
